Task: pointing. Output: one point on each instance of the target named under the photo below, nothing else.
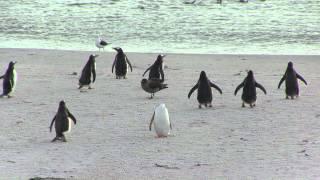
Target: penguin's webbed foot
(243, 105)
(251, 105)
(287, 97)
(210, 105)
(199, 106)
(80, 87)
(63, 138)
(54, 139)
(292, 97)
(90, 87)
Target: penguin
(9, 80)
(156, 70)
(204, 90)
(161, 121)
(100, 43)
(291, 77)
(89, 68)
(152, 86)
(62, 121)
(121, 63)
(249, 94)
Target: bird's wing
(301, 78)
(282, 79)
(128, 62)
(104, 43)
(261, 87)
(216, 87)
(151, 121)
(239, 86)
(192, 89)
(93, 73)
(54, 118)
(114, 62)
(72, 117)
(162, 74)
(146, 71)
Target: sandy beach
(278, 139)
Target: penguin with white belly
(9, 80)
(161, 121)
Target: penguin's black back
(249, 93)
(156, 68)
(121, 64)
(61, 122)
(204, 91)
(292, 87)
(8, 80)
(85, 78)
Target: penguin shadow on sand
(161, 122)
(203, 86)
(9, 81)
(88, 74)
(291, 82)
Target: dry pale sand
(278, 138)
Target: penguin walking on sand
(152, 86)
(121, 63)
(100, 43)
(88, 74)
(9, 80)
(249, 94)
(62, 121)
(291, 77)
(156, 70)
(204, 90)
(161, 121)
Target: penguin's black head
(144, 81)
(11, 64)
(62, 103)
(203, 75)
(118, 49)
(250, 74)
(93, 56)
(159, 60)
(290, 65)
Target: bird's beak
(115, 48)
(96, 55)
(15, 62)
(163, 55)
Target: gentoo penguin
(152, 86)
(249, 94)
(62, 121)
(204, 90)
(100, 43)
(9, 80)
(161, 121)
(89, 68)
(121, 63)
(156, 70)
(292, 86)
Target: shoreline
(172, 53)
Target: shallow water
(257, 27)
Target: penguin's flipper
(237, 89)
(151, 121)
(216, 87)
(192, 89)
(161, 74)
(261, 87)
(114, 63)
(128, 62)
(301, 78)
(93, 74)
(170, 126)
(54, 118)
(146, 71)
(1, 76)
(281, 81)
(72, 117)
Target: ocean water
(160, 26)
